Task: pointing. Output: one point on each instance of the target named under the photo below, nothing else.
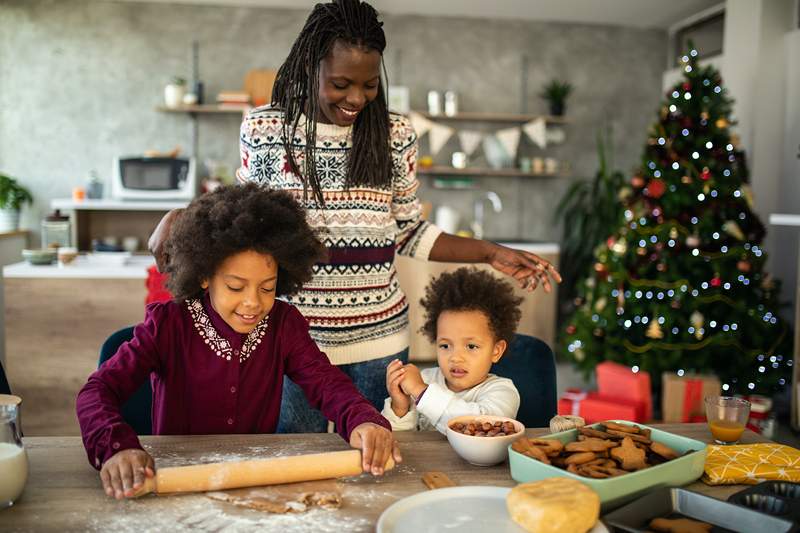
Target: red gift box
(619, 381)
(594, 407)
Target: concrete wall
(80, 80)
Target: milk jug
(13, 459)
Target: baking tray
(677, 503)
(775, 498)
(617, 491)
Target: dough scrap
(288, 498)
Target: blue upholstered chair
(137, 410)
(530, 364)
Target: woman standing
(329, 139)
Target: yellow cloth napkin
(749, 464)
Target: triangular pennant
(509, 138)
(536, 130)
(420, 124)
(438, 137)
(496, 155)
(470, 140)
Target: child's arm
(439, 404)
(330, 390)
(105, 433)
(398, 408)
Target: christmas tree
(680, 286)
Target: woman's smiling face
(349, 79)
(242, 290)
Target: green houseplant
(590, 211)
(12, 197)
(556, 93)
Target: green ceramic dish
(616, 491)
(42, 256)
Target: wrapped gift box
(594, 407)
(619, 381)
(683, 398)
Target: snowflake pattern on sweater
(354, 305)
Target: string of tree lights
(681, 286)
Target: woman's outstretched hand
(528, 269)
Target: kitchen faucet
(477, 219)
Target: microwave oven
(153, 178)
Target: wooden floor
(51, 347)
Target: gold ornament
(673, 232)
(686, 180)
(732, 228)
(600, 304)
(693, 241)
(597, 332)
(706, 188)
(654, 330)
(579, 354)
(641, 251)
(619, 247)
(704, 115)
(722, 123)
(748, 195)
(697, 319)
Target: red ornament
(743, 266)
(571, 329)
(687, 86)
(716, 281)
(637, 181)
(705, 174)
(656, 188)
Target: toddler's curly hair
(470, 289)
(237, 218)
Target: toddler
(471, 316)
(217, 354)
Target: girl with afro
(471, 316)
(217, 354)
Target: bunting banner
(470, 140)
(509, 138)
(420, 124)
(556, 135)
(536, 130)
(438, 135)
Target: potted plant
(556, 93)
(174, 92)
(12, 197)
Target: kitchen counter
(82, 268)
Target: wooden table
(64, 493)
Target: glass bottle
(55, 230)
(13, 458)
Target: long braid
(297, 87)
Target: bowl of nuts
(483, 440)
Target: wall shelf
(494, 117)
(473, 171)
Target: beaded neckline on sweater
(219, 344)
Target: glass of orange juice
(727, 417)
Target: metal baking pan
(677, 503)
(776, 498)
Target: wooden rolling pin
(237, 474)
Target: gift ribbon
(576, 397)
(692, 397)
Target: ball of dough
(554, 505)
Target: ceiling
(636, 13)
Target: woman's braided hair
(296, 92)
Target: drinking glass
(727, 417)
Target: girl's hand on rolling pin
(528, 269)
(126, 471)
(376, 444)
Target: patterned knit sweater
(354, 305)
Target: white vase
(173, 95)
(9, 220)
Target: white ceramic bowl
(482, 451)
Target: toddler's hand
(400, 400)
(125, 472)
(376, 444)
(412, 383)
